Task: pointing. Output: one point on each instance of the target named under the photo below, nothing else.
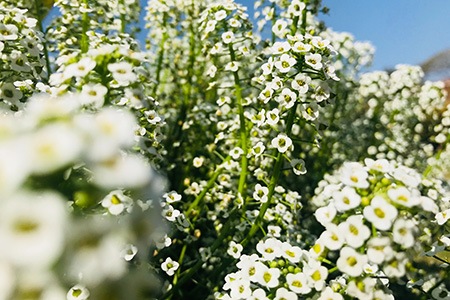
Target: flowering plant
(233, 158)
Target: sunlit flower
(170, 266)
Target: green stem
(37, 5)
(280, 157)
(180, 261)
(123, 24)
(160, 55)
(84, 43)
(242, 127)
(193, 270)
(208, 186)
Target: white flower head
(93, 95)
(380, 213)
(351, 262)
(78, 292)
(354, 231)
(261, 192)
(346, 199)
(285, 63)
(172, 197)
(270, 249)
(122, 72)
(117, 202)
(235, 249)
(282, 142)
(354, 174)
(80, 68)
(170, 266)
(32, 228)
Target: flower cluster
(21, 60)
(379, 217)
(69, 30)
(68, 217)
(112, 73)
(278, 271)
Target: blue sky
(402, 31)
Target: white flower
(298, 283)
(329, 294)
(258, 149)
(80, 68)
(234, 249)
(260, 193)
(287, 98)
(316, 273)
(108, 131)
(301, 47)
(152, 117)
(397, 266)
(380, 165)
(280, 28)
(122, 72)
(361, 289)
(232, 66)
(379, 249)
(403, 232)
(283, 294)
(270, 248)
(8, 32)
(354, 174)
(54, 146)
(10, 93)
(346, 199)
(332, 237)
(407, 175)
(93, 95)
(7, 279)
(265, 95)
(442, 217)
(298, 166)
(122, 171)
(170, 213)
(380, 213)
(250, 266)
(78, 292)
(14, 165)
(258, 294)
(240, 289)
(325, 214)
(301, 83)
(129, 252)
(281, 142)
(32, 228)
(170, 266)
(314, 60)
(285, 63)
(296, 7)
(228, 37)
(172, 197)
(268, 277)
(292, 253)
(401, 195)
(354, 231)
(236, 152)
(116, 202)
(197, 162)
(351, 262)
(220, 15)
(272, 117)
(280, 47)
